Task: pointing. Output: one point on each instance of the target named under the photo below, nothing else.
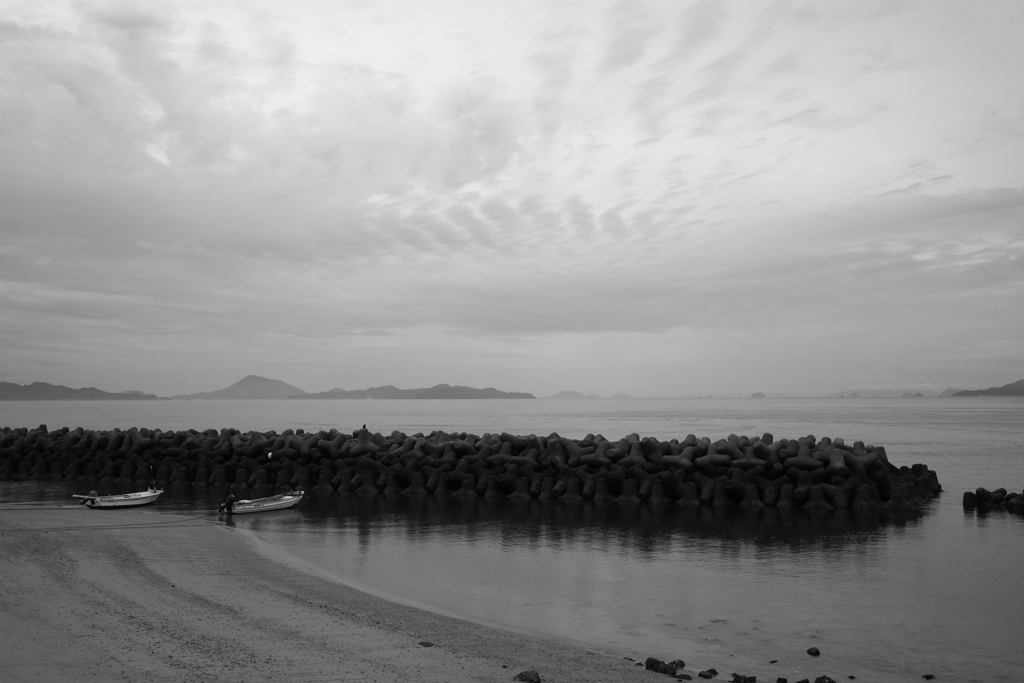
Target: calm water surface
(885, 598)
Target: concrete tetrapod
(738, 470)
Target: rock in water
(813, 651)
(527, 677)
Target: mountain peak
(251, 387)
(567, 395)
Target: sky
(662, 198)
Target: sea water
(884, 597)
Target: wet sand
(135, 595)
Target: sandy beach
(139, 596)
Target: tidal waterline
(883, 597)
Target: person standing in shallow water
(228, 505)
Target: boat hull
(124, 500)
(279, 502)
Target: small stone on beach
(813, 651)
(527, 677)
(426, 643)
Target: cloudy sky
(665, 198)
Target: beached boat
(279, 502)
(121, 500)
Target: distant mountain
(41, 391)
(393, 392)
(950, 392)
(868, 392)
(757, 394)
(251, 387)
(1012, 389)
(568, 394)
(385, 392)
(445, 391)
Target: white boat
(281, 501)
(121, 500)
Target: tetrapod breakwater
(756, 471)
(983, 499)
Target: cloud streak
(622, 185)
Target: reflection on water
(644, 529)
(708, 585)
(884, 596)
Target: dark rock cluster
(999, 499)
(656, 665)
(673, 669)
(527, 677)
(738, 470)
